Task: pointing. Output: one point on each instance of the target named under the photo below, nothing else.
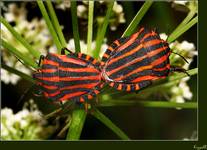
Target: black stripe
(145, 83)
(76, 82)
(71, 65)
(137, 75)
(44, 74)
(108, 52)
(68, 83)
(64, 92)
(47, 66)
(163, 64)
(151, 37)
(143, 33)
(161, 73)
(53, 58)
(69, 90)
(76, 74)
(127, 49)
(123, 40)
(144, 62)
(140, 53)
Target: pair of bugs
(129, 64)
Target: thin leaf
(76, 125)
(19, 73)
(31, 50)
(101, 35)
(49, 25)
(90, 25)
(26, 59)
(55, 23)
(159, 104)
(105, 120)
(75, 26)
(185, 21)
(182, 30)
(132, 26)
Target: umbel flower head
(24, 125)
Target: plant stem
(31, 50)
(55, 23)
(75, 26)
(101, 35)
(105, 120)
(130, 29)
(182, 29)
(184, 22)
(76, 125)
(49, 24)
(90, 25)
(27, 60)
(17, 72)
(159, 104)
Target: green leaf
(19, 73)
(132, 26)
(90, 25)
(55, 23)
(102, 32)
(182, 30)
(105, 120)
(159, 104)
(75, 26)
(185, 21)
(26, 59)
(31, 50)
(49, 25)
(76, 125)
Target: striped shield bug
(75, 76)
(132, 63)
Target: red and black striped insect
(75, 76)
(132, 63)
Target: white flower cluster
(185, 5)
(83, 46)
(117, 16)
(34, 31)
(62, 4)
(24, 125)
(180, 91)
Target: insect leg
(178, 69)
(65, 49)
(40, 59)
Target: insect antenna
(180, 56)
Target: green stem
(105, 120)
(17, 72)
(101, 35)
(159, 104)
(27, 60)
(75, 26)
(76, 125)
(90, 25)
(31, 50)
(184, 22)
(183, 29)
(55, 23)
(49, 24)
(130, 29)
